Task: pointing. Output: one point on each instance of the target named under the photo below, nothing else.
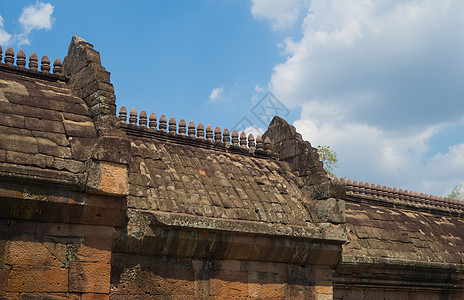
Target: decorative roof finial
(45, 64)
(21, 59)
(200, 131)
(9, 56)
(152, 122)
(163, 123)
(259, 143)
(172, 126)
(267, 145)
(122, 111)
(57, 68)
(234, 138)
(217, 134)
(143, 119)
(191, 129)
(182, 127)
(243, 140)
(209, 133)
(33, 62)
(133, 117)
(251, 141)
(226, 136)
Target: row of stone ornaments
(400, 196)
(198, 132)
(33, 61)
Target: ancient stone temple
(96, 204)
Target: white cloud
(4, 35)
(282, 14)
(254, 130)
(259, 89)
(216, 94)
(377, 80)
(38, 16)
(35, 17)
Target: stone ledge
(32, 73)
(384, 261)
(335, 234)
(216, 245)
(163, 137)
(34, 174)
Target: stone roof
(392, 226)
(64, 129)
(213, 184)
(44, 129)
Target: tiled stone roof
(378, 234)
(402, 198)
(44, 129)
(228, 187)
(392, 226)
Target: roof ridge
(400, 196)
(32, 68)
(188, 134)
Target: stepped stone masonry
(100, 205)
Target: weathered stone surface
(107, 177)
(48, 147)
(81, 147)
(80, 129)
(44, 125)
(26, 111)
(290, 147)
(28, 253)
(45, 279)
(330, 210)
(11, 120)
(194, 218)
(95, 250)
(25, 158)
(17, 143)
(89, 277)
(111, 149)
(68, 164)
(58, 139)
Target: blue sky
(381, 82)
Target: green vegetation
(457, 193)
(329, 158)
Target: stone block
(10, 120)
(229, 284)
(48, 147)
(93, 296)
(27, 253)
(330, 210)
(25, 158)
(36, 112)
(44, 125)
(3, 280)
(107, 177)
(68, 165)
(18, 143)
(112, 149)
(94, 250)
(49, 296)
(9, 295)
(76, 117)
(80, 129)
(89, 277)
(57, 138)
(80, 147)
(324, 287)
(38, 279)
